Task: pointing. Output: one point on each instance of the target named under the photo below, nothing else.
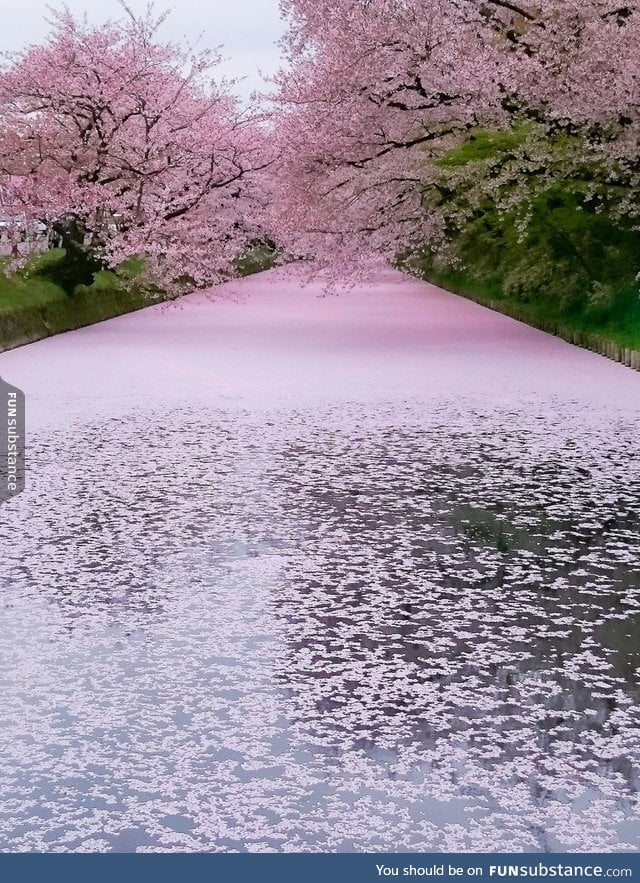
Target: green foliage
(32, 306)
(77, 266)
(27, 287)
(257, 259)
(131, 268)
(44, 297)
(485, 144)
(528, 220)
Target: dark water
(412, 628)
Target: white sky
(248, 30)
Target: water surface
(298, 573)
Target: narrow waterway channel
(302, 571)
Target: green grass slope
(33, 305)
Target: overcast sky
(247, 29)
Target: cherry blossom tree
(377, 91)
(133, 139)
(370, 91)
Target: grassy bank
(614, 336)
(34, 305)
(549, 242)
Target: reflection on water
(339, 631)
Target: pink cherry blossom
(376, 91)
(134, 138)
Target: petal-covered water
(292, 574)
